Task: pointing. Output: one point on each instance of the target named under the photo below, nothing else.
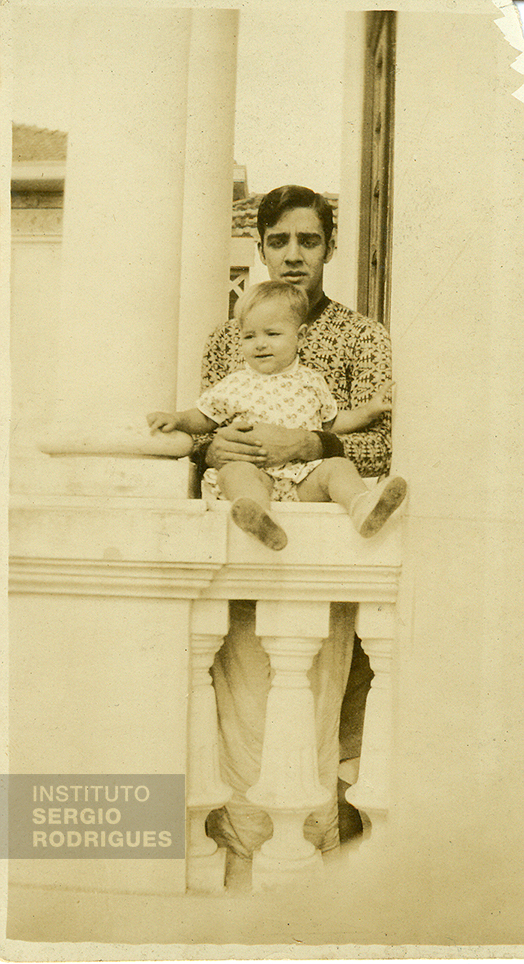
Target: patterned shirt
(296, 398)
(353, 353)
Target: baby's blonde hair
(267, 290)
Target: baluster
(375, 624)
(206, 789)
(288, 788)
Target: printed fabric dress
(294, 398)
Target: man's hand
(263, 444)
(286, 444)
(235, 443)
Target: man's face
(270, 336)
(295, 250)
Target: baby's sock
(252, 518)
(370, 510)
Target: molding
(73, 577)
(37, 239)
(172, 580)
(293, 582)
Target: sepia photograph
(264, 466)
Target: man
(353, 354)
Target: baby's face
(270, 337)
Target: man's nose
(293, 252)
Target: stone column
(375, 625)
(289, 788)
(208, 191)
(123, 216)
(205, 789)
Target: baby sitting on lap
(274, 387)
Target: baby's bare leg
(249, 490)
(338, 480)
(238, 479)
(334, 480)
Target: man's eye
(276, 242)
(309, 243)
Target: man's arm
(355, 419)
(370, 366)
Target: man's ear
(330, 249)
(260, 247)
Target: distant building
(38, 177)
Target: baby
(275, 388)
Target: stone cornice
(100, 578)
(309, 582)
(169, 548)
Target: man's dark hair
(290, 196)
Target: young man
(353, 354)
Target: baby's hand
(161, 422)
(379, 403)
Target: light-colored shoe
(252, 518)
(370, 510)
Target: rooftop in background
(239, 181)
(245, 215)
(39, 157)
(38, 144)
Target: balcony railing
(171, 548)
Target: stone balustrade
(184, 561)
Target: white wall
(35, 308)
(458, 350)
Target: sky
(289, 88)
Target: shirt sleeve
(214, 403)
(370, 367)
(328, 405)
(217, 358)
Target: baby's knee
(235, 470)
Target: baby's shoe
(370, 510)
(252, 518)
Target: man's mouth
(294, 275)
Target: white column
(345, 282)
(208, 191)
(289, 788)
(375, 625)
(205, 788)
(123, 216)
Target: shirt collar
(290, 370)
(318, 309)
